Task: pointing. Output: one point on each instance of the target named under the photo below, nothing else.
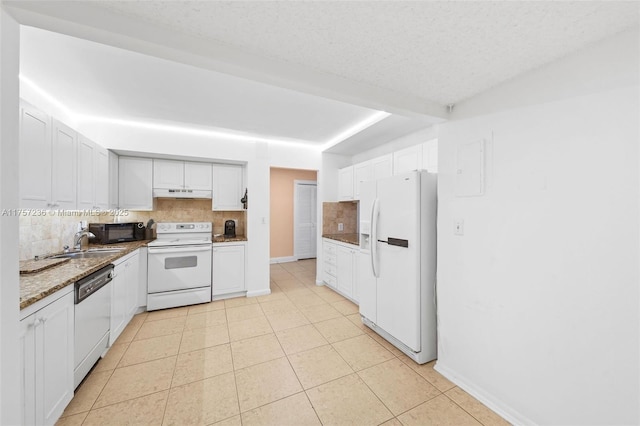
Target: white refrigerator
(397, 261)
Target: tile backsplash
(335, 213)
(48, 234)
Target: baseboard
(319, 282)
(495, 404)
(255, 293)
(283, 259)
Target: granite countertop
(345, 238)
(223, 239)
(37, 286)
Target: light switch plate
(458, 227)
(341, 227)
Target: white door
(304, 219)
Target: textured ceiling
(441, 51)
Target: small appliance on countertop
(230, 229)
(112, 233)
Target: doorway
(283, 194)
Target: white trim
(283, 259)
(264, 292)
(484, 397)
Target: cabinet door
(113, 180)
(86, 173)
(228, 270)
(27, 344)
(135, 178)
(344, 274)
(228, 187)
(101, 180)
(362, 172)
(64, 167)
(345, 184)
(119, 303)
(132, 266)
(54, 330)
(407, 160)
(35, 158)
(382, 166)
(168, 174)
(430, 156)
(197, 176)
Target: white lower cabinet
(124, 296)
(340, 267)
(228, 270)
(46, 346)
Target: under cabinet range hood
(181, 193)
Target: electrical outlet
(458, 227)
(340, 227)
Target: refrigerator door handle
(375, 211)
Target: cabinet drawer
(330, 280)
(330, 269)
(330, 259)
(329, 249)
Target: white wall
(10, 398)
(538, 302)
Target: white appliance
(91, 320)
(397, 261)
(179, 265)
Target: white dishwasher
(92, 318)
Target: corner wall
(538, 301)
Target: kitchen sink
(92, 253)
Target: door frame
(296, 184)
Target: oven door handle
(183, 250)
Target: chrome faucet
(79, 239)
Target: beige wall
(48, 234)
(281, 229)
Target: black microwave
(111, 233)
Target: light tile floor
(299, 356)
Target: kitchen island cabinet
(47, 355)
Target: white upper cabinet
(407, 159)
(228, 187)
(113, 180)
(345, 184)
(135, 183)
(48, 161)
(93, 175)
(362, 172)
(382, 166)
(430, 156)
(102, 178)
(35, 158)
(86, 175)
(63, 166)
(197, 176)
(169, 174)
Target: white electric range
(179, 265)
